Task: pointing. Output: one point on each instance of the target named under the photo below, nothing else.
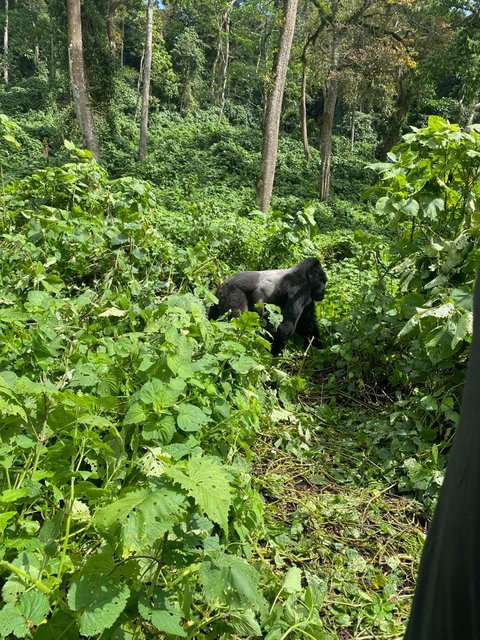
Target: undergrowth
(161, 475)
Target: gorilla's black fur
(294, 290)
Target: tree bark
(395, 123)
(77, 77)
(225, 59)
(147, 68)
(303, 100)
(303, 110)
(352, 128)
(52, 69)
(328, 115)
(274, 107)
(112, 8)
(5, 45)
(326, 132)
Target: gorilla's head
(317, 279)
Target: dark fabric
(446, 605)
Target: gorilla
(294, 290)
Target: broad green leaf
(443, 311)
(191, 418)
(437, 123)
(161, 432)
(411, 207)
(112, 312)
(464, 328)
(39, 298)
(292, 582)
(141, 518)
(231, 581)
(99, 599)
(161, 394)
(4, 519)
(245, 624)
(207, 483)
(433, 208)
(409, 326)
(12, 622)
(34, 607)
(12, 495)
(61, 626)
(244, 364)
(181, 366)
(94, 420)
(162, 615)
(429, 403)
(436, 282)
(438, 344)
(135, 414)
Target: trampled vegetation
(162, 475)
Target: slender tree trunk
(395, 123)
(139, 86)
(467, 113)
(303, 100)
(77, 77)
(471, 113)
(217, 57)
(122, 47)
(147, 68)
(36, 49)
(5, 45)
(51, 71)
(225, 59)
(352, 128)
(222, 58)
(328, 115)
(112, 8)
(274, 107)
(303, 109)
(325, 138)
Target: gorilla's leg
(291, 313)
(307, 327)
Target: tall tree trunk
(112, 8)
(36, 49)
(225, 59)
(218, 56)
(472, 112)
(325, 137)
(77, 77)
(303, 100)
(396, 121)
(274, 107)
(5, 45)
(222, 58)
(122, 47)
(52, 69)
(147, 69)
(303, 109)
(328, 115)
(352, 128)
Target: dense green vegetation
(163, 472)
(161, 475)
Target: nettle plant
(129, 507)
(429, 193)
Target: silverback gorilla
(294, 290)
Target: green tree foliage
(189, 62)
